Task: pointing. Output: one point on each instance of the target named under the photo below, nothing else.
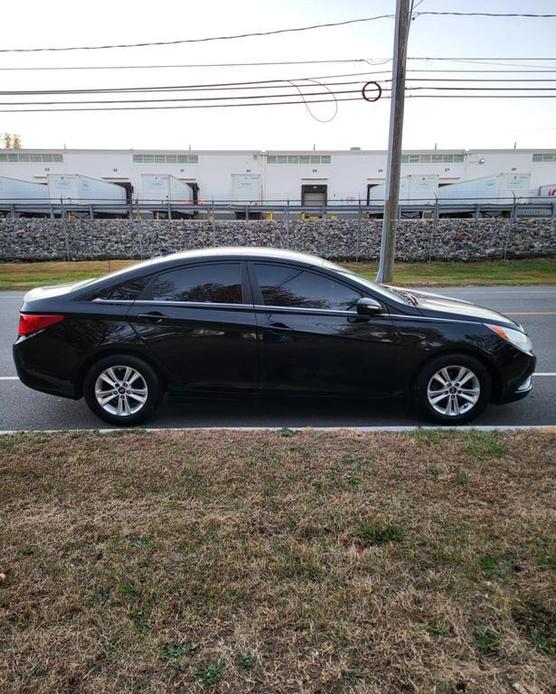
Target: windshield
(398, 295)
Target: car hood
(436, 305)
(52, 290)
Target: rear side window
(126, 291)
(283, 286)
(218, 283)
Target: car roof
(243, 252)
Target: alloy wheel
(453, 390)
(121, 390)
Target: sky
(447, 123)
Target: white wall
(347, 175)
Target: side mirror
(368, 307)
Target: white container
(14, 191)
(82, 190)
(501, 188)
(164, 188)
(548, 191)
(413, 189)
(246, 188)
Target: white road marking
(9, 378)
(533, 313)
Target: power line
(38, 68)
(276, 103)
(215, 85)
(518, 69)
(274, 83)
(488, 57)
(480, 96)
(182, 99)
(479, 79)
(526, 15)
(156, 108)
(205, 39)
(282, 84)
(249, 97)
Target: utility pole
(393, 162)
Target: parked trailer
(548, 191)
(82, 190)
(246, 188)
(14, 191)
(413, 188)
(496, 189)
(163, 188)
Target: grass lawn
(278, 562)
(527, 271)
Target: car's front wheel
(122, 389)
(454, 389)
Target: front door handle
(152, 316)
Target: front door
(199, 325)
(313, 341)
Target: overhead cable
(205, 39)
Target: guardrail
(469, 207)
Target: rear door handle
(152, 317)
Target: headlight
(516, 338)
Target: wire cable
(205, 39)
(319, 120)
(189, 99)
(525, 15)
(38, 68)
(157, 108)
(463, 59)
(181, 87)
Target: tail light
(33, 322)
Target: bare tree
(12, 140)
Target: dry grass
(277, 562)
(490, 272)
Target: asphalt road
(533, 307)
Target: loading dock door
(314, 195)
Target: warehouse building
(300, 177)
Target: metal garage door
(314, 195)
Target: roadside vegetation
(487, 273)
(278, 562)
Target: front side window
(218, 283)
(294, 287)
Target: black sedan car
(252, 320)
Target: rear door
(312, 340)
(198, 321)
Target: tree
(12, 140)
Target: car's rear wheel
(122, 389)
(454, 389)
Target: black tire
(147, 381)
(447, 361)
